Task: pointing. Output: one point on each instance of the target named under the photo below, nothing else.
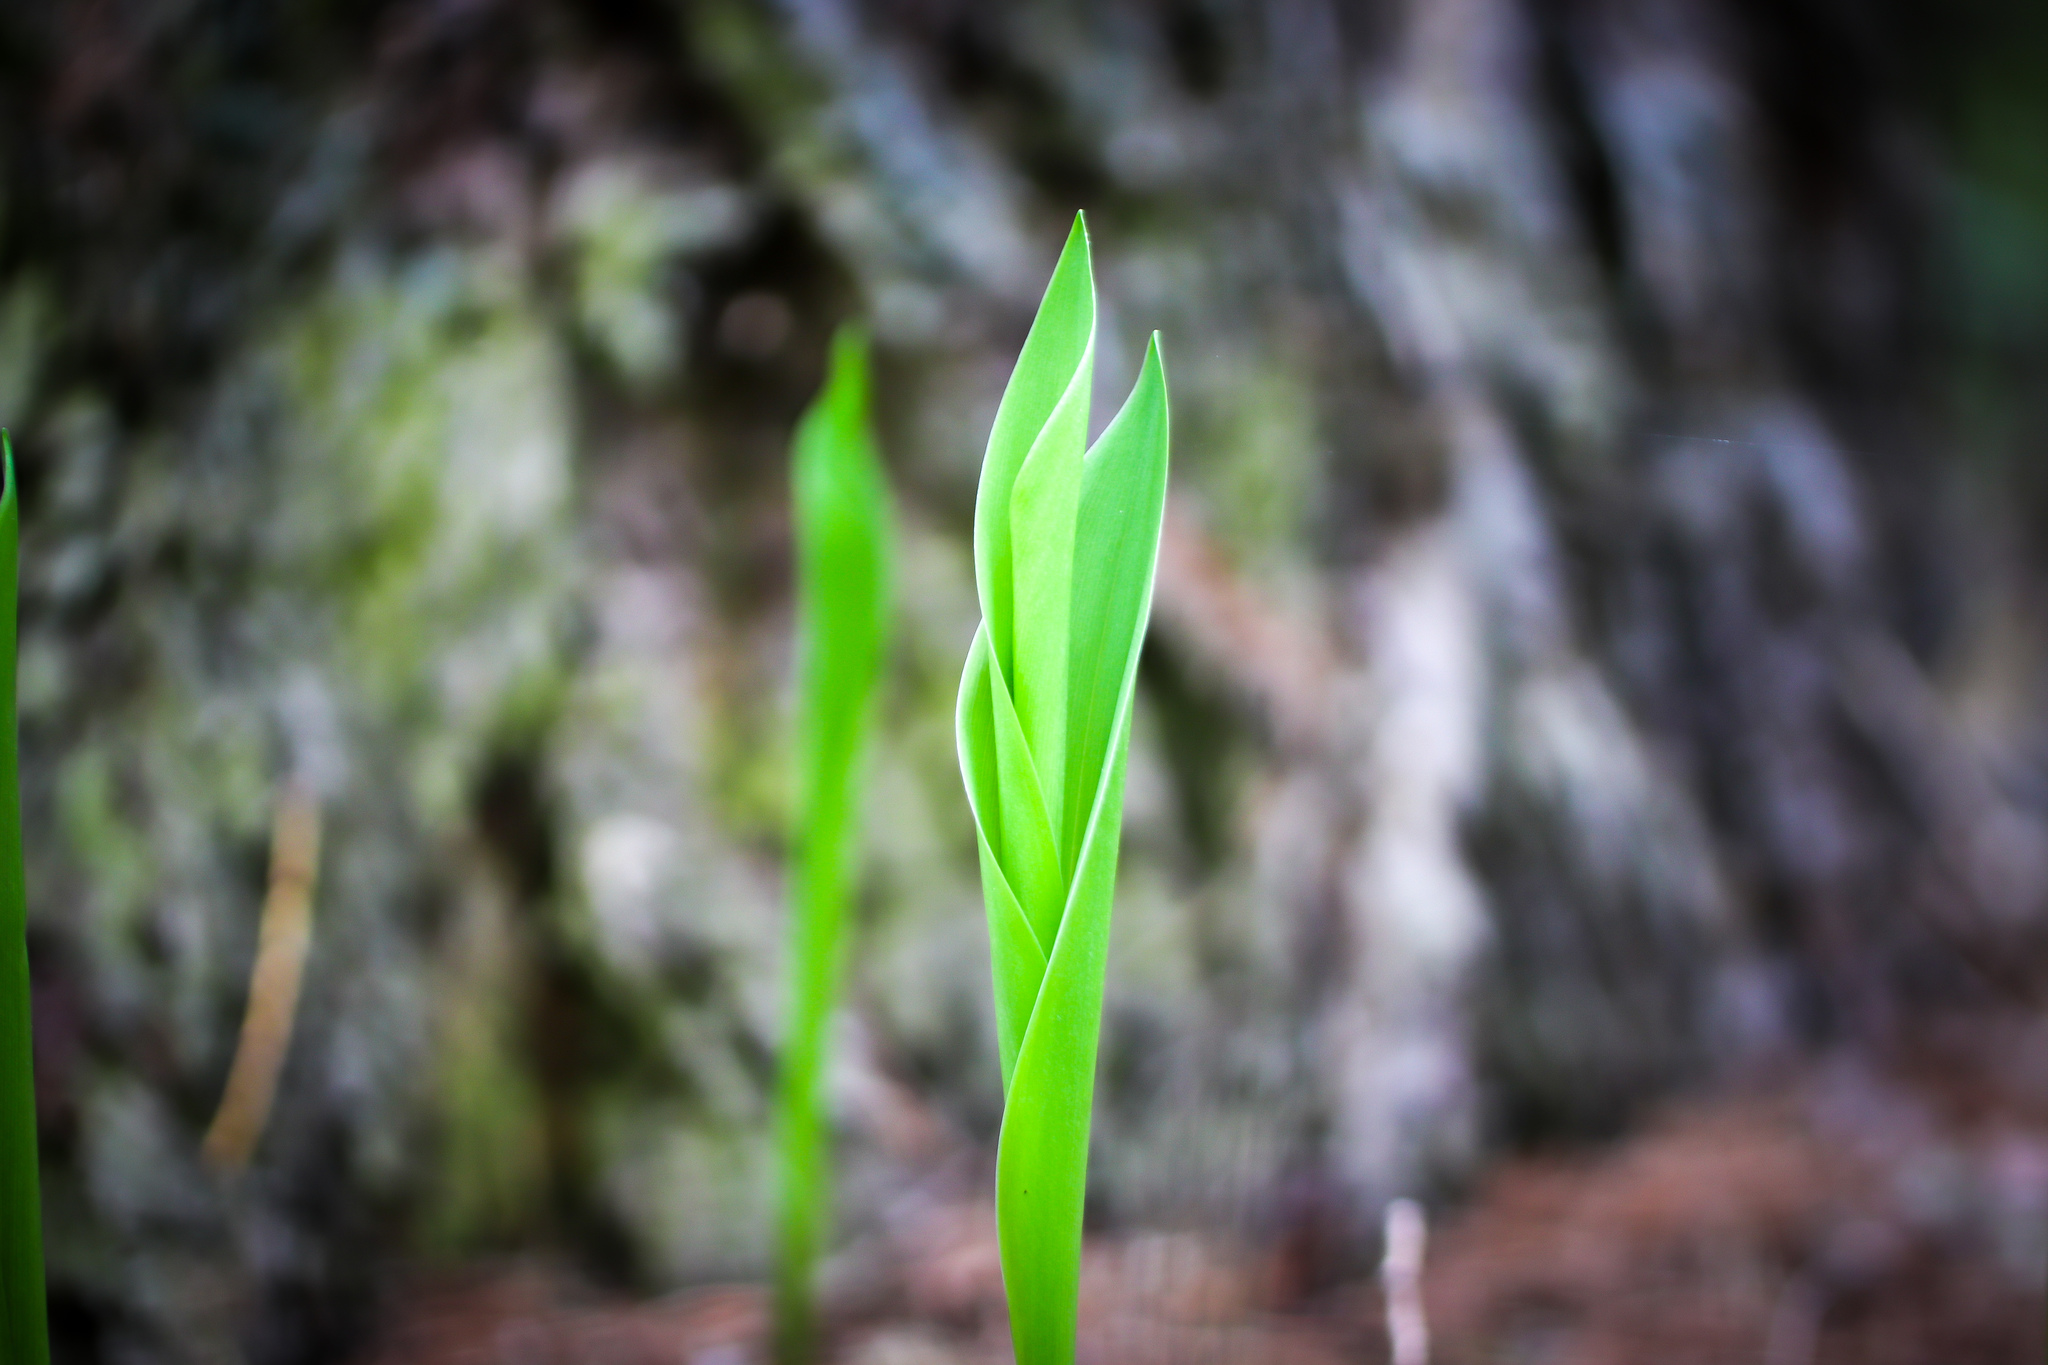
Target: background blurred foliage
(402, 393)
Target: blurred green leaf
(843, 562)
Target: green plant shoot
(843, 554)
(24, 1329)
(1066, 540)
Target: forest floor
(1851, 1213)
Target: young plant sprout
(842, 535)
(24, 1331)
(1066, 539)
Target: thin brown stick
(282, 938)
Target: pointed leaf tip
(849, 345)
(1077, 252)
(1154, 365)
(1046, 400)
(846, 371)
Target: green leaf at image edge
(23, 1325)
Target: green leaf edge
(24, 1326)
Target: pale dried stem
(1407, 1232)
(282, 939)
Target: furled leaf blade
(1030, 857)
(1017, 958)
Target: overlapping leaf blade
(1123, 502)
(1017, 954)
